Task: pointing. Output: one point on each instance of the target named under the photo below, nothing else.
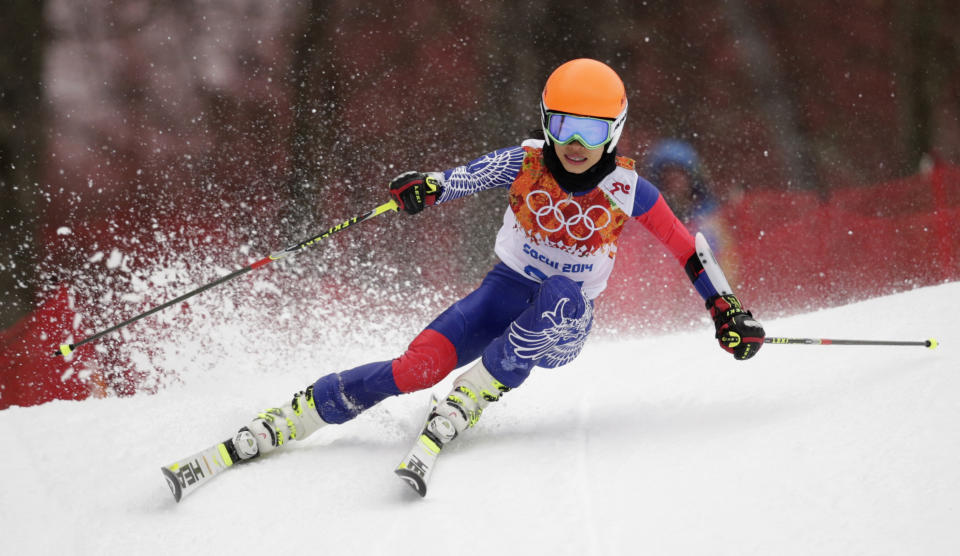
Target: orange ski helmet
(586, 87)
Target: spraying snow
(658, 445)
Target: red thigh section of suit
(428, 360)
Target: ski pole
(66, 349)
(931, 343)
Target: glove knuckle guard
(414, 191)
(737, 331)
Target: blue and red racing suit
(535, 308)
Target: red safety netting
(786, 252)
(793, 252)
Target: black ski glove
(414, 191)
(737, 331)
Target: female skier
(570, 196)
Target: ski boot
(276, 426)
(472, 392)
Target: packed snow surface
(659, 445)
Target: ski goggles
(565, 128)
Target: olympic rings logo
(586, 218)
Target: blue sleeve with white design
(645, 198)
(490, 171)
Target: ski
(416, 468)
(186, 475)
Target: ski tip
(173, 483)
(415, 481)
(932, 344)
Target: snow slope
(661, 445)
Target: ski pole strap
(67, 349)
(931, 343)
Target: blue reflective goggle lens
(564, 128)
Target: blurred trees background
(229, 128)
(22, 149)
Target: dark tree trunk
(22, 143)
(773, 100)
